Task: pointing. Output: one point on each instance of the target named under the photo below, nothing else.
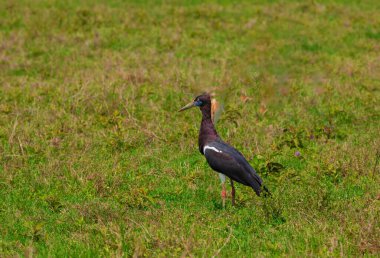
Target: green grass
(95, 160)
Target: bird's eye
(198, 103)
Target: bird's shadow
(218, 205)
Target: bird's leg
(224, 194)
(232, 192)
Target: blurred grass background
(95, 160)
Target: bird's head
(200, 101)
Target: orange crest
(214, 108)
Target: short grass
(95, 160)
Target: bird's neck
(207, 132)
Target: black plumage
(222, 157)
(230, 162)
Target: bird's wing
(229, 161)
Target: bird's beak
(190, 105)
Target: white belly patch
(222, 178)
(211, 148)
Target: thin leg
(224, 194)
(232, 192)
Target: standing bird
(222, 157)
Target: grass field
(95, 160)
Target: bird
(222, 157)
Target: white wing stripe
(211, 148)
